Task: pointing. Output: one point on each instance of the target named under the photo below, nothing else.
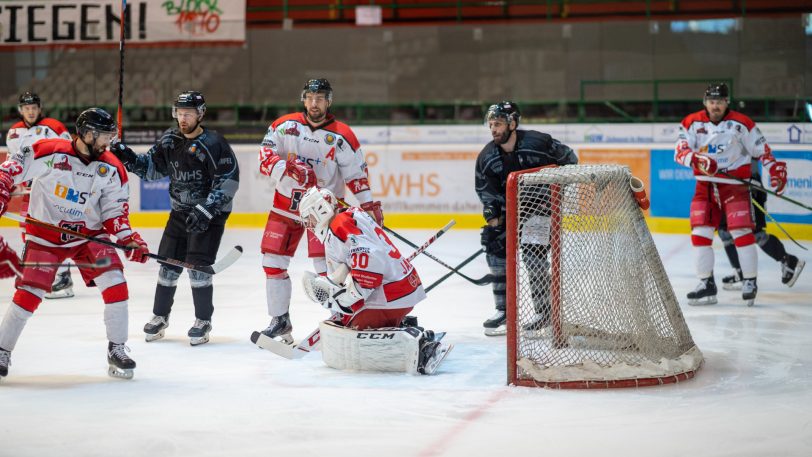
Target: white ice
(753, 396)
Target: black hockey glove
(198, 220)
(491, 212)
(493, 239)
(123, 152)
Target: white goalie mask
(317, 208)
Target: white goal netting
(589, 302)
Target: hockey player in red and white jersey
(301, 150)
(9, 262)
(719, 144)
(34, 127)
(79, 185)
(369, 286)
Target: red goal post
(589, 304)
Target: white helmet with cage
(317, 208)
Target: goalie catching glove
(338, 298)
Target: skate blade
(498, 331)
(733, 286)
(749, 301)
(798, 269)
(154, 337)
(702, 301)
(432, 364)
(199, 340)
(64, 293)
(120, 373)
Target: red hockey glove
(266, 162)
(140, 249)
(374, 210)
(301, 173)
(6, 183)
(9, 262)
(704, 164)
(778, 176)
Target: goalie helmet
(505, 110)
(317, 208)
(316, 86)
(95, 120)
(189, 99)
(717, 91)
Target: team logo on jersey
(70, 194)
(293, 131)
(340, 143)
(38, 130)
(63, 165)
(12, 135)
(103, 170)
(330, 139)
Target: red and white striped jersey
(733, 142)
(44, 128)
(376, 265)
(91, 197)
(331, 150)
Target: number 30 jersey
(382, 274)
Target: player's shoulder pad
(340, 128)
(740, 118)
(48, 146)
(108, 158)
(58, 127)
(296, 117)
(18, 125)
(699, 116)
(343, 225)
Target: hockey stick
(487, 279)
(759, 187)
(309, 343)
(103, 262)
(215, 268)
(772, 219)
(121, 39)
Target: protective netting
(592, 299)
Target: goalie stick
(311, 341)
(215, 268)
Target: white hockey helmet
(317, 208)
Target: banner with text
(69, 22)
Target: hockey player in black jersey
(204, 178)
(512, 150)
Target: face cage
(201, 110)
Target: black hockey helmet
(717, 91)
(506, 110)
(29, 98)
(95, 120)
(315, 86)
(189, 99)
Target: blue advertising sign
(155, 195)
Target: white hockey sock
(703, 261)
(116, 321)
(748, 258)
(277, 292)
(12, 326)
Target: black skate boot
(749, 291)
(497, 324)
(156, 328)
(62, 286)
(279, 329)
(791, 268)
(432, 352)
(733, 282)
(5, 361)
(704, 294)
(120, 364)
(199, 333)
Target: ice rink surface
(228, 398)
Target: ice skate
(120, 365)
(5, 361)
(496, 325)
(791, 268)
(733, 282)
(199, 333)
(156, 328)
(749, 291)
(538, 322)
(432, 353)
(704, 294)
(62, 286)
(279, 329)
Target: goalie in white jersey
(370, 288)
(77, 185)
(299, 151)
(719, 144)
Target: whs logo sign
(71, 195)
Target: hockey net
(589, 304)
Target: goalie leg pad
(381, 350)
